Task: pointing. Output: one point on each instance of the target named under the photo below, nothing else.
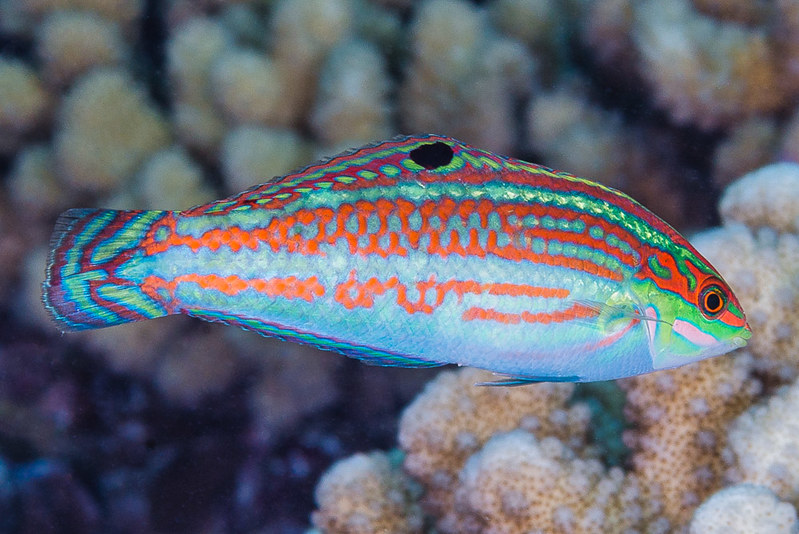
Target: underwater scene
(506, 347)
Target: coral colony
(178, 425)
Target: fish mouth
(740, 341)
(747, 332)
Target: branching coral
(703, 70)
(191, 52)
(516, 460)
(744, 509)
(462, 76)
(708, 63)
(764, 444)
(251, 153)
(304, 31)
(364, 494)
(680, 417)
(517, 483)
(767, 197)
(452, 419)
(247, 86)
(352, 102)
(66, 51)
(23, 102)
(107, 129)
(507, 460)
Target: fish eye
(712, 301)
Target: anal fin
(366, 354)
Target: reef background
(180, 426)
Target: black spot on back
(433, 155)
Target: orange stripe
(281, 233)
(354, 294)
(576, 311)
(290, 287)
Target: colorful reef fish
(415, 252)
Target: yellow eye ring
(712, 301)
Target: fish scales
(415, 252)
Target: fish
(418, 251)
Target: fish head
(704, 322)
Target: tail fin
(92, 253)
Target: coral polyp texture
(689, 106)
(763, 442)
(452, 419)
(680, 419)
(376, 496)
(744, 509)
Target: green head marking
(690, 312)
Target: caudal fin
(92, 274)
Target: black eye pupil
(432, 155)
(713, 302)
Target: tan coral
(352, 103)
(24, 103)
(171, 180)
(744, 509)
(462, 78)
(453, 418)
(572, 134)
(764, 444)
(705, 71)
(22, 16)
(518, 483)
(69, 43)
(766, 197)
(303, 32)
(253, 154)
(364, 494)
(108, 127)
(680, 419)
(247, 86)
(192, 50)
